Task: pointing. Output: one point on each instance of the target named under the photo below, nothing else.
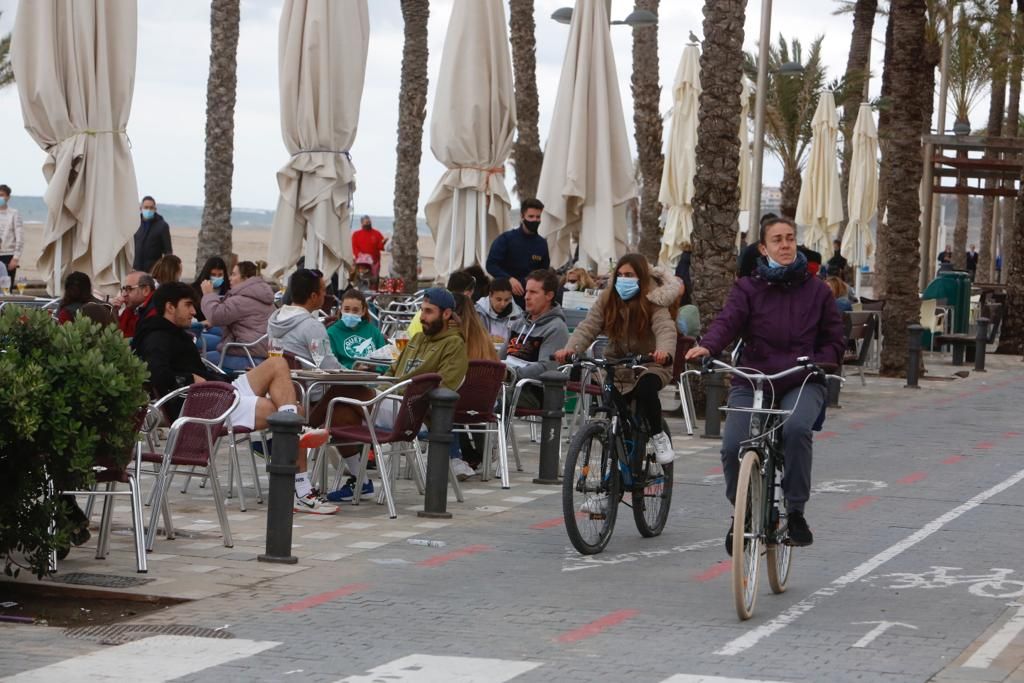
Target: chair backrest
(101, 313)
(415, 404)
(860, 329)
(479, 391)
(208, 401)
(929, 319)
(872, 304)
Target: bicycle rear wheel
(651, 504)
(590, 488)
(748, 528)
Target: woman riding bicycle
(633, 313)
(781, 312)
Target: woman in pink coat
(242, 313)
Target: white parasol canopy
(745, 219)
(681, 158)
(322, 46)
(587, 177)
(820, 207)
(862, 199)
(74, 63)
(472, 127)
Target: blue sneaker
(257, 446)
(345, 493)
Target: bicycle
(595, 480)
(759, 518)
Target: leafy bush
(68, 395)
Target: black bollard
(714, 390)
(980, 342)
(551, 427)
(913, 354)
(281, 494)
(435, 494)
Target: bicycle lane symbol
(995, 584)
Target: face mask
(571, 286)
(772, 263)
(217, 282)
(147, 214)
(627, 287)
(367, 227)
(531, 226)
(504, 312)
(3, 202)
(351, 320)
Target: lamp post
(638, 18)
(759, 111)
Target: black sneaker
(728, 540)
(799, 534)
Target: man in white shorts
(174, 361)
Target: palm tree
(884, 118)
(6, 72)
(716, 181)
(221, 86)
(905, 169)
(648, 130)
(790, 107)
(527, 156)
(858, 64)
(1012, 126)
(412, 110)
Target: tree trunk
(963, 215)
(648, 131)
(884, 118)
(412, 110)
(902, 257)
(996, 111)
(790, 191)
(716, 183)
(1011, 128)
(221, 87)
(857, 72)
(1011, 336)
(527, 156)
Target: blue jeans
(239, 363)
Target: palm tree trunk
(1011, 336)
(902, 257)
(790, 191)
(996, 110)
(221, 87)
(857, 73)
(527, 155)
(1012, 126)
(412, 110)
(884, 133)
(648, 130)
(963, 215)
(716, 183)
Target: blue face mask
(627, 287)
(3, 202)
(351, 320)
(217, 282)
(772, 263)
(147, 214)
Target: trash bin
(955, 287)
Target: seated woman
(167, 269)
(216, 271)
(354, 336)
(77, 293)
(841, 292)
(242, 314)
(576, 280)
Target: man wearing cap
(367, 240)
(439, 347)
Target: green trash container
(955, 287)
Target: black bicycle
(607, 457)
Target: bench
(964, 344)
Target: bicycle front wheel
(747, 532)
(590, 488)
(651, 503)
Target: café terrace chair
(475, 414)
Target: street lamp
(638, 18)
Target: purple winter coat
(242, 313)
(779, 322)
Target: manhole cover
(118, 634)
(101, 580)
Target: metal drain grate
(101, 580)
(119, 634)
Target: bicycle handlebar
(710, 366)
(633, 360)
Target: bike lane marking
(756, 635)
(418, 668)
(698, 678)
(912, 478)
(953, 459)
(439, 560)
(858, 503)
(597, 626)
(715, 571)
(314, 600)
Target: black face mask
(505, 312)
(367, 227)
(531, 226)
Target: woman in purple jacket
(781, 312)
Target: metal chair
(246, 347)
(192, 443)
(860, 330)
(475, 414)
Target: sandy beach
(250, 245)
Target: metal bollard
(834, 387)
(435, 494)
(551, 427)
(714, 390)
(281, 490)
(980, 342)
(913, 354)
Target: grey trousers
(797, 440)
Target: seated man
(498, 311)
(136, 298)
(174, 362)
(459, 281)
(536, 336)
(296, 326)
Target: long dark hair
(213, 263)
(77, 289)
(622, 316)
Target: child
(354, 336)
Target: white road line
(994, 646)
(435, 669)
(574, 562)
(754, 636)
(157, 658)
(697, 678)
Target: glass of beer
(276, 349)
(22, 282)
(401, 340)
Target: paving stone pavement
(907, 482)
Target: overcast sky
(167, 121)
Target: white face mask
(571, 286)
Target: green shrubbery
(68, 395)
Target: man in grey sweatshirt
(537, 335)
(295, 325)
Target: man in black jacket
(152, 239)
(174, 362)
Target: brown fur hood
(666, 287)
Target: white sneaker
(663, 452)
(312, 505)
(462, 469)
(595, 506)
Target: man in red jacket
(136, 297)
(367, 240)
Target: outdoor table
(29, 301)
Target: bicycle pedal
(598, 516)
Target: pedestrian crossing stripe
(435, 669)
